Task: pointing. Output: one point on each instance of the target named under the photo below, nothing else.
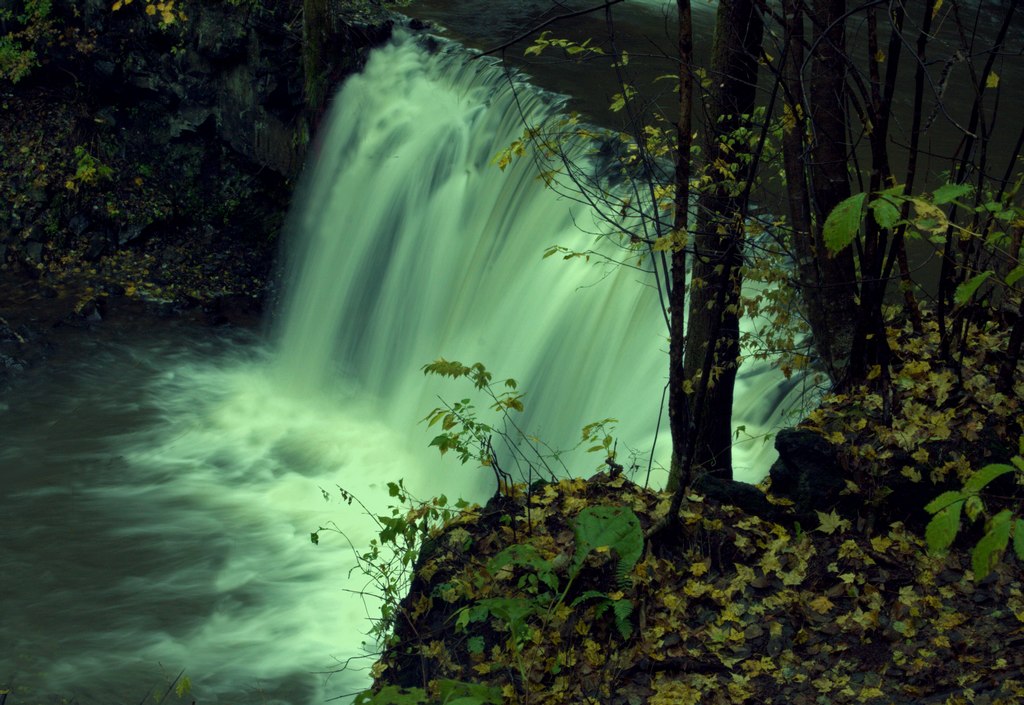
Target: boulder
(807, 472)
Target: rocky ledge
(523, 601)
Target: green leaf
(455, 692)
(1018, 539)
(468, 615)
(843, 223)
(885, 211)
(980, 479)
(1015, 274)
(475, 645)
(949, 193)
(941, 530)
(991, 546)
(615, 527)
(522, 554)
(944, 500)
(589, 595)
(513, 610)
(623, 609)
(966, 290)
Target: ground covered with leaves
(927, 427)
(729, 609)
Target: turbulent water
(159, 495)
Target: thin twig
(545, 23)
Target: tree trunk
(680, 420)
(806, 247)
(712, 352)
(829, 280)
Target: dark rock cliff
(154, 163)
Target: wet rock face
(143, 154)
(236, 66)
(225, 64)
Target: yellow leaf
(832, 522)
(911, 473)
(150, 9)
(992, 81)
(869, 692)
(821, 604)
(879, 56)
(881, 543)
(694, 588)
(930, 218)
(822, 684)
(117, 6)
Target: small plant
(999, 527)
(389, 559)
(89, 170)
(471, 439)
(599, 529)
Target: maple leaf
(832, 522)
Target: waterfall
(157, 518)
(411, 244)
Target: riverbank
(732, 609)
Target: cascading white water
(412, 244)
(159, 520)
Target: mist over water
(160, 491)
